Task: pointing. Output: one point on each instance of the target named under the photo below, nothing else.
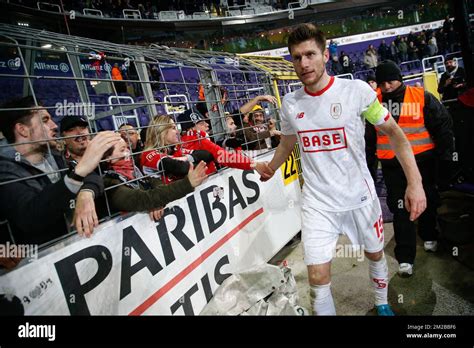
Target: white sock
(321, 299)
(378, 272)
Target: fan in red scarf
(166, 157)
(194, 127)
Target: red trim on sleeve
(386, 117)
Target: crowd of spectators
(78, 169)
(148, 9)
(267, 36)
(407, 48)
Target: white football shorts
(321, 230)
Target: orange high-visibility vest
(116, 74)
(201, 93)
(412, 122)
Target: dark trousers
(405, 230)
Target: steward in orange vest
(428, 127)
(412, 121)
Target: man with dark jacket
(428, 127)
(346, 62)
(453, 81)
(36, 190)
(383, 50)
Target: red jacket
(198, 140)
(150, 162)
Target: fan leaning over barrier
(131, 191)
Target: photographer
(452, 82)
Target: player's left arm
(374, 112)
(415, 199)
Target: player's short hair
(304, 32)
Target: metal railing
(428, 63)
(346, 76)
(49, 6)
(131, 14)
(92, 12)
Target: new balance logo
(300, 115)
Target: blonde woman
(162, 156)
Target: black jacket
(35, 208)
(449, 92)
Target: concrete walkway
(440, 284)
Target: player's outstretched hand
(264, 170)
(415, 200)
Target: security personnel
(428, 127)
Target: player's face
(389, 86)
(309, 61)
(373, 84)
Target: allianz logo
(12, 64)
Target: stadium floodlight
(46, 46)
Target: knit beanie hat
(388, 71)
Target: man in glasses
(76, 133)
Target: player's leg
(369, 225)
(378, 274)
(319, 242)
(320, 295)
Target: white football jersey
(330, 127)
